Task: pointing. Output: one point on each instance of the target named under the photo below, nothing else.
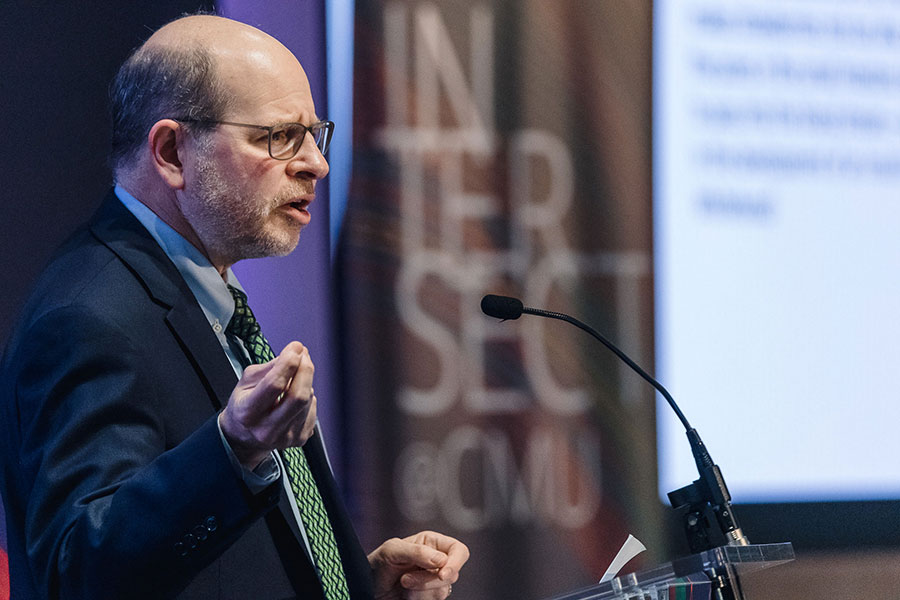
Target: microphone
(502, 307)
(709, 490)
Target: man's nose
(309, 162)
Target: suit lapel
(200, 342)
(121, 232)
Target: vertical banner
(501, 147)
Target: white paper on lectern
(631, 548)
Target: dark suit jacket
(115, 479)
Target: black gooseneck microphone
(708, 491)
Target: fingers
(426, 580)
(271, 404)
(309, 424)
(290, 375)
(295, 410)
(261, 386)
(420, 567)
(285, 394)
(408, 553)
(457, 556)
(457, 553)
(429, 579)
(423, 566)
(303, 425)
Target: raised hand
(273, 406)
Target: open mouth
(298, 209)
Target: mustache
(291, 194)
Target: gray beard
(231, 225)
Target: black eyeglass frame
(326, 126)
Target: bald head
(231, 43)
(198, 68)
(208, 30)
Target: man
(151, 439)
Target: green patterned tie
(309, 502)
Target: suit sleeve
(115, 511)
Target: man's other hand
(273, 406)
(419, 567)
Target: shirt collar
(202, 278)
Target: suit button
(190, 542)
(200, 532)
(180, 550)
(211, 524)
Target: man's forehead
(275, 89)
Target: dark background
(58, 59)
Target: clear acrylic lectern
(709, 575)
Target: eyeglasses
(285, 139)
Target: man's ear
(166, 140)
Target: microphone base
(706, 524)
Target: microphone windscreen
(501, 307)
